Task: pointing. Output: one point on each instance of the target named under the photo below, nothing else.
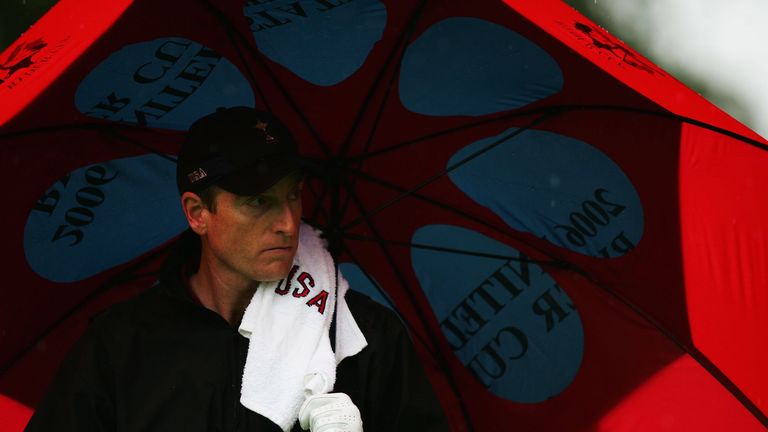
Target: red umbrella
(573, 238)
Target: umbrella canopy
(574, 239)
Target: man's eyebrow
(246, 198)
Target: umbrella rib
(253, 51)
(544, 115)
(231, 31)
(551, 263)
(384, 295)
(115, 134)
(110, 129)
(118, 279)
(319, 197)
(442, 364)
(449, 208)
(382, 244)
(693, 352)
(667, 115)
(697, 355)
(399, 45)
(449, 131)
(449, 169)
(418, 337)
(559, 109)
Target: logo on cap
(197, 175)
(262, 126)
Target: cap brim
(257, 178)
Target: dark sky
(17, 15)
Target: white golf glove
(331, 412)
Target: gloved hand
(331, 412)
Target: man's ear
(195, 211)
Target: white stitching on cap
(197, 175)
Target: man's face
(255, 237)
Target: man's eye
(256, 202)
(294, 195)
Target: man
(172, 358)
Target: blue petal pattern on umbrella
(359, 282)
(167, 83)
(71, 232)
(323, 42)
(506, 319)
(556, 187)
(468, 66)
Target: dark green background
(17, 15)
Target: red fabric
(59, 48)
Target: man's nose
(287, 221)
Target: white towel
(288, 322)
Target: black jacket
(163, 362)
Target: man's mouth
(279, 249)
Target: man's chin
(274, 276)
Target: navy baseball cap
(241, 150)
